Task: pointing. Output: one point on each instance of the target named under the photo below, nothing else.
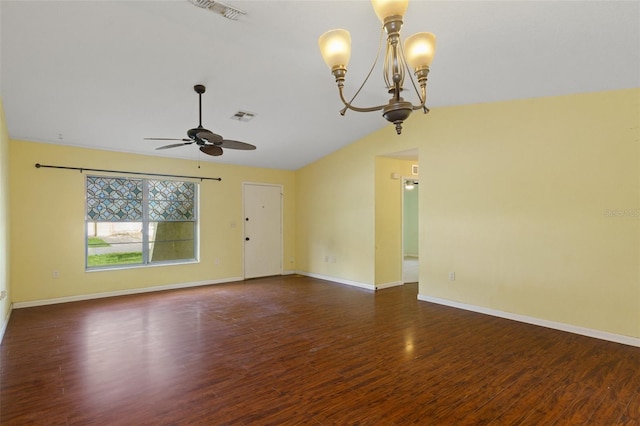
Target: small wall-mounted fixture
(410, 184)
(414, 169)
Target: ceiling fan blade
(167, 139)
(211, 150)
(227, 143)
(174, 145)
(210, 137)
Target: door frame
(244, 216)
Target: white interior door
(262, 230)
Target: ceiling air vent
(243, 116)
(225, 10)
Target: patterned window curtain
(171, 201)
(171, 214)
(114, 199)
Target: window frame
(146, 261)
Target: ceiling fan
(210, 143)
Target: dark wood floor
(295, 350)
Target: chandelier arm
(347, 105)
(423, 90)
(422, 107)
(423, 99)
(340, 87)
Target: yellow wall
(516, 202)
(334, 217)
(4, 220)
(514, 198)
(47, 210)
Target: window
(139, 221)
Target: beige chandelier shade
(335, 46)
(419, 50)
(387, 8)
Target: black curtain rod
(82, 169)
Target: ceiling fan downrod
(199, 89)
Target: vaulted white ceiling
(106, 74)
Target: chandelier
(416, 55)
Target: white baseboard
(351, 283)
(337, 280)
(617, 338)
(53, 301)
(5, 323)
(388, 285)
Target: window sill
(140, 266)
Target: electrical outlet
(55, 274)
(3, 294)
(452, 276)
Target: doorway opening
(410, 227)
